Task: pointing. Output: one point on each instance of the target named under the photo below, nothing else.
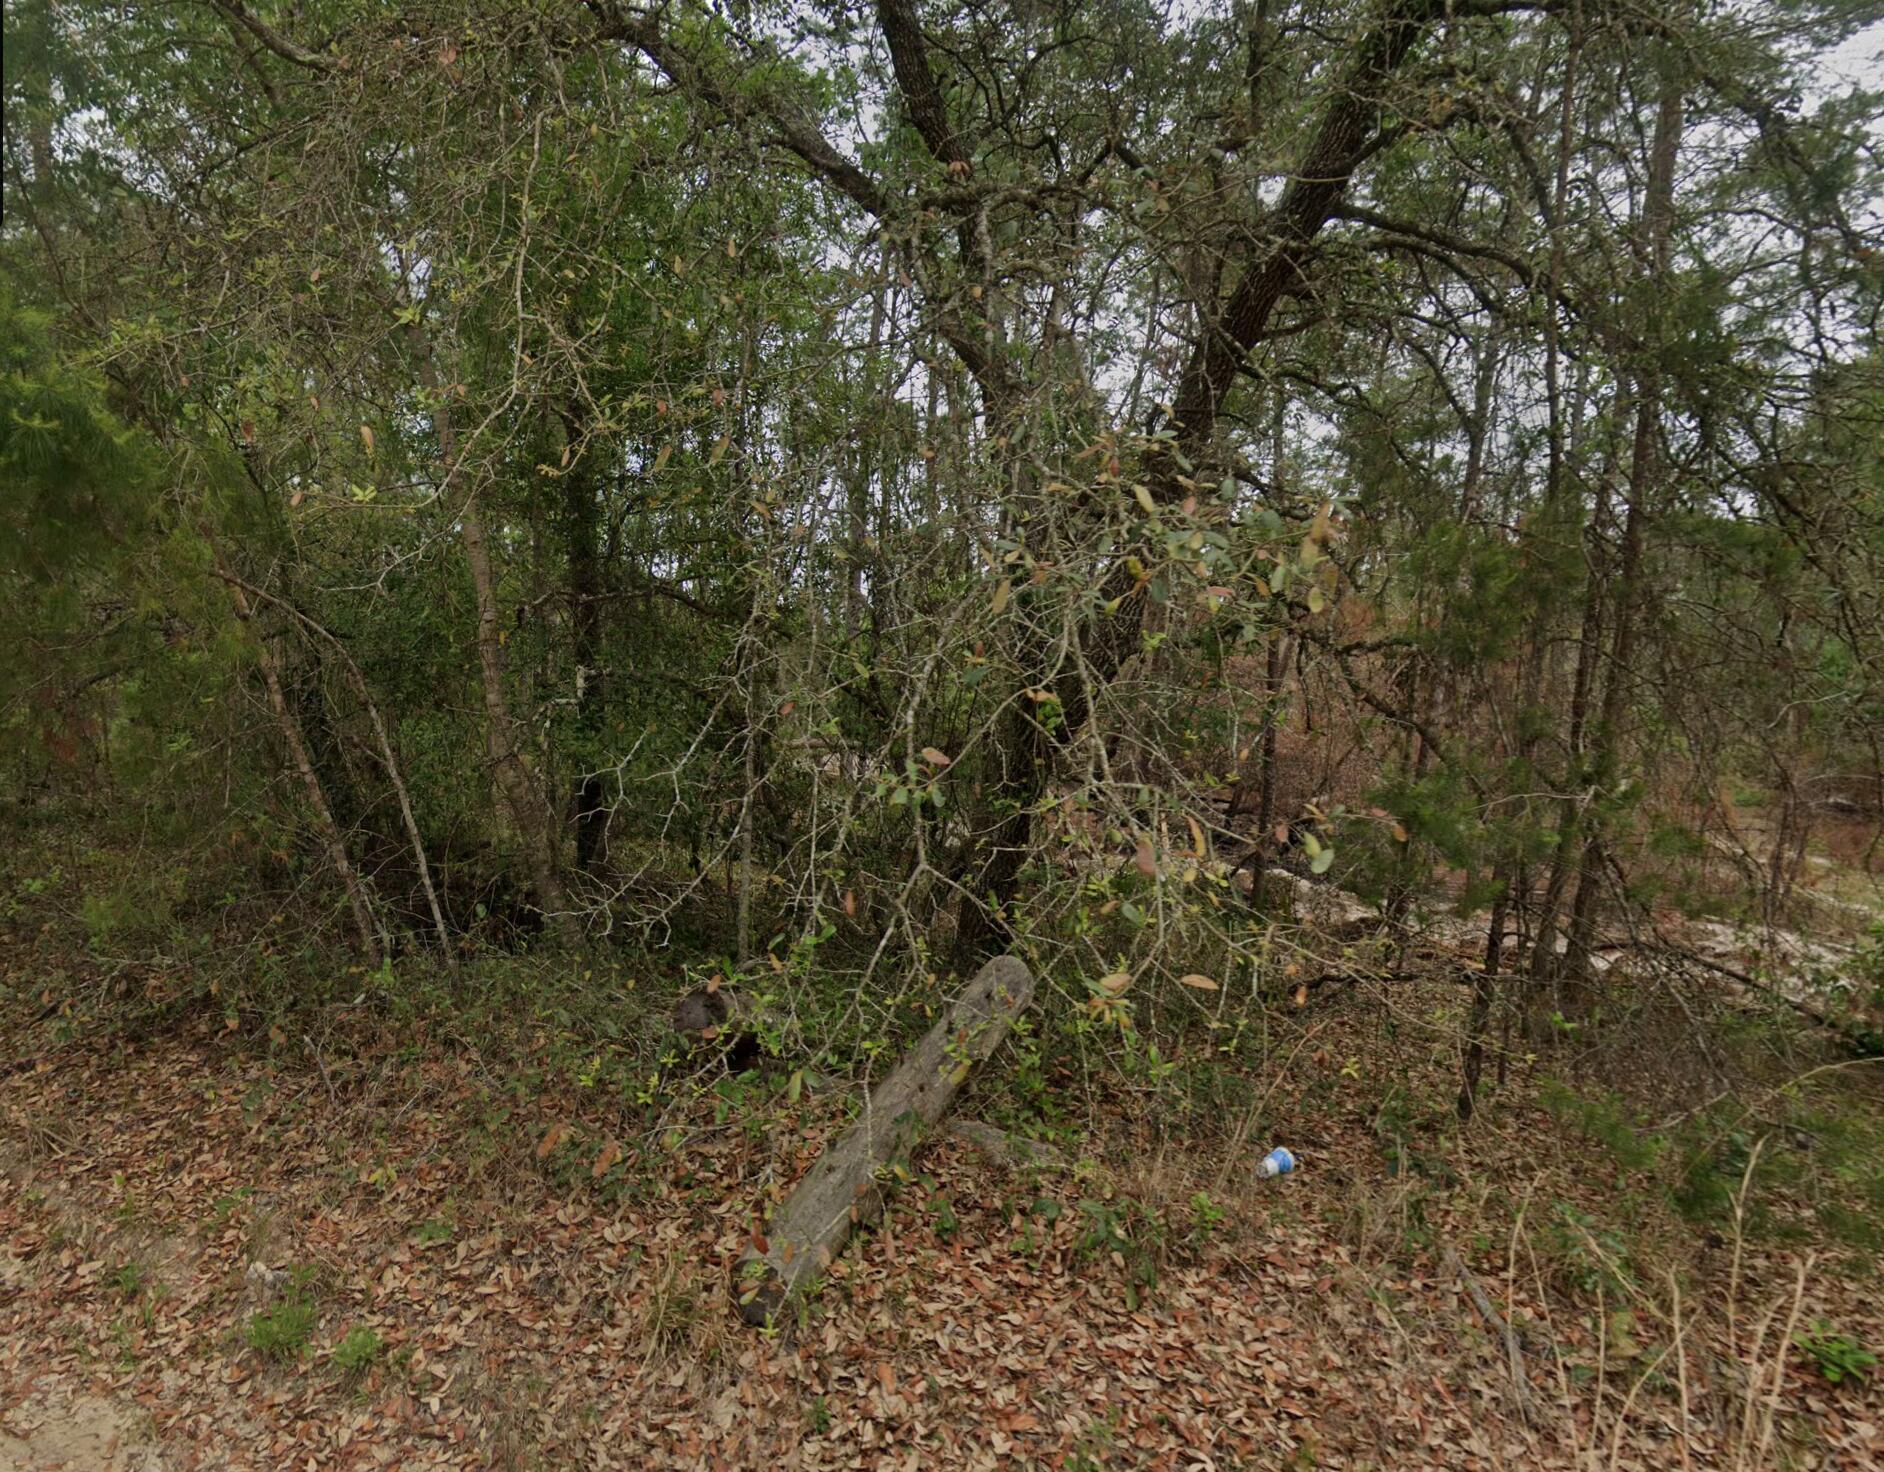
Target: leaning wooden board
(847, 1188)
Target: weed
(1838, 1356)
(1129, 1235)
(947, 1224)
(1590, 1258)
(282, 1332)
(678, 1318)
(225, 1207)
(1206, 1218)
(1605, 1120)
(358, 1351)
(818, 1418)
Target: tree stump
(717, 1022)
(847, 1187)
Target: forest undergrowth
(483, 1221)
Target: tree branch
(236, 13)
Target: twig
(1514, 1348)
(326, 1078)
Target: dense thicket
(870, 486)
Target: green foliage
(1605, 1119)
(357, 1351)
(1838, 1356)
(1207, 1218)
(1131, 1236)
(1588, 1256)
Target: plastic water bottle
(1278, 1162)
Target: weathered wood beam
(851, 1181)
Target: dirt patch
(56, 1426)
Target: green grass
(284, 1331)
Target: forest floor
(391, 1246)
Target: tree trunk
(371, 939)
(849, 1185)
(388, 758)
(581, 529)
(1657, 221)
(514, 779)
(522, 797)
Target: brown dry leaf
(935, 757)
(1145, 859)
(850, 903)
(552, 1137)
(366, 437)
(886, 1377)
(611, 1152)
(1198, 980)
(1114, 984)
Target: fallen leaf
(1196, 979)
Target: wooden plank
(852, 1179)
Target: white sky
(1859, 62)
